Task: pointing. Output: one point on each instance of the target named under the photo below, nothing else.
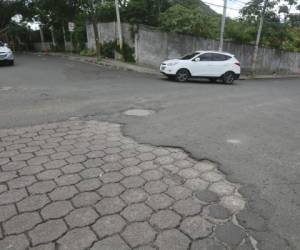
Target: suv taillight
(238, 64)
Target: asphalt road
(251, 128)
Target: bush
(108, 50)
(87, 52)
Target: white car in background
(6, 55)
(213, 65)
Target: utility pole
(223, 26)
(120, 38)
(254, 58)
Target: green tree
(190, 21)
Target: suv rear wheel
(182, 75)
(228, 78)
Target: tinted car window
(220, 57)
(206, 57)
(189, 56)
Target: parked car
(213, 65)
(6, 55)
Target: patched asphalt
(251, 128)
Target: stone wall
(153, 46)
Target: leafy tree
(190, 21)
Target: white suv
(6, 55)
(203, 64)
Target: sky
(233, 6)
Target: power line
(221, 6)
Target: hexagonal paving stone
(21, 223)
(130, 171)
(81, 217)
(111, 167)
(111, 177)
(222, 188)
(77, 239)
(109, 225)
(188, 173)
(165, 219)
(72, 168)
(233, 203)
(111, 190)
(47, 232)
(22, 181)
(56, 209)
(38, 160)
(7, 212)
(89, 184)
(31, 170)
(18, 242)
(93, 163)
(148, 165)
(129, 162)
(135, 195)
(32, 203)
(152, 175)
(219, 212)
(196, 227)
(137, 212)
(212, 176)
(8, 176)
(11, 166)
(190, 206)
(85, 199)
(179, 192)
(12, 196)
(207, 196)
(133, 182)
(63, 193)
(60, 155)
(155, 187)
(55, 164)
(207, 244)
(110, 205)
(111, 243)
(159, 201)
(204, 166)
(49, 174)
(230, 234)
(91, 173)
(196, 184)
(69, 179)
(172, 239)
(138, 233)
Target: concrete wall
(108, 32)
(153, 46)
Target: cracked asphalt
(245, 136)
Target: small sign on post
(71, 26)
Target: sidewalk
(143, 69)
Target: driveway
(251, 129)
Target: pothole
(139, 112)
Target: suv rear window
(220, 57)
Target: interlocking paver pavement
(83, 185)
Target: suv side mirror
(197, 59)
(5, 45)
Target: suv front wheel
(182, 75)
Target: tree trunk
(64, 36)
(97, 41)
